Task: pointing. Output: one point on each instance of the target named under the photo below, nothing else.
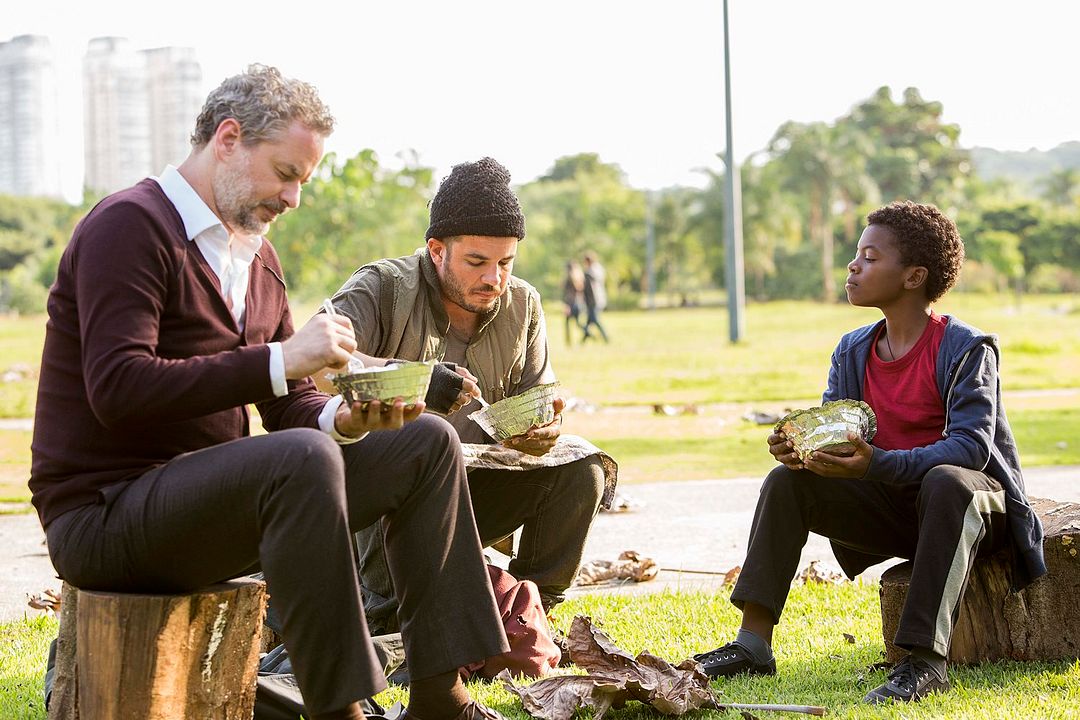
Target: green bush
(21, 291)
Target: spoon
(329, 309)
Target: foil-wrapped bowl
(515, 415)
(405, 380)
(826, 428)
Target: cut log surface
(166, 657)
(1038, 623)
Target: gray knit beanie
(476, 199)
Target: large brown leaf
(614, 677)
(559, 697)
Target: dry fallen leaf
(815, 572)
(614, 676)
(850, 638)
(46, 600)
(630, 566)
(558, 697)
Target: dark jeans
(941, 523)
(554, 507)
(286, 503)
(593, 318)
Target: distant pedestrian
(595, 295)
(573, 289)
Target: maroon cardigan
(143, 361)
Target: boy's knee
(944, 481)
(781, 480)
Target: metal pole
(733, 239)
(650, 251)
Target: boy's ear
(916, 278)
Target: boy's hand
(850, 466)
(784, 452)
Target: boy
(940, 484)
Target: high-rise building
(140, 108)
(29, 118)
(175, 85)
(116, 117)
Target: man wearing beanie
(456, 301)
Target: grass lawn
(816, 664)
(24, 647)
(719, 443)
(682, 356)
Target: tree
(353, 212)
(1060, 187)
(916, 155)
(816, 164)
(33, 231)
(582, 204)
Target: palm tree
(826, 165)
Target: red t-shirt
(904, 393)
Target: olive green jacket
(508, 354)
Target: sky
(640, 83)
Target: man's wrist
(328, 422)
(278, 382)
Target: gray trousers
(554, 507)
(941, 523)
(287, 503)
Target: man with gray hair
(456, 300)
(168, 317)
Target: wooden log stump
(159, 657)
(63, 702)
(1038, 623)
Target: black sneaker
(732, 659)
(910, 681)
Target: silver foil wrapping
(826, 428)
(515, 415)
(407, 380)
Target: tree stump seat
(1037, 623)
(159, 657)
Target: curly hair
(925, 237)
(264, 103)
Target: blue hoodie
(977, 435)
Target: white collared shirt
(230, 258)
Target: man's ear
(916, 277)
(437, 250)
(227, 137)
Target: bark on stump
(159, 657)
(1038, 623)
